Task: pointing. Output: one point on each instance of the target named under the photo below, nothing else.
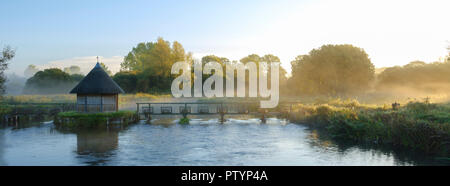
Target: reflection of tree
(402, 156)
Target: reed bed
(418, 125)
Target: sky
(54, 33)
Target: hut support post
(222, 114)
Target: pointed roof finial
(98, 64)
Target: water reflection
(399, 156)
(97, 143)
(2, 145)
(96, 147)
(203, 142)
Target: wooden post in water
(149, 118)
(137, 110)
(222, 114)
(185, 112)
(263, 116)
(147, 114)
(16, 119)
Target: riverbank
(204, 142)
(15, 113)
(421, 126)
(76, 120)
(125, 100)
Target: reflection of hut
(97, 142)
(97, 92)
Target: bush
(76, 120)
(184, 121)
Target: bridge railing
(194, 108)
(203, 108)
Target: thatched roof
(97, 81)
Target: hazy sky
(63, 33)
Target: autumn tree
(332, 70)
(268, 58)
(251, 58)
(213, 58)
(152, 63)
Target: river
(203, 142)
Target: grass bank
(27, 112)
(76, 120)
(421, 126)
(124, 99)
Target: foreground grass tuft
(184, 121)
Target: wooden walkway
(147, 110)
(33, 111)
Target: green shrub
(93, 120)
(184, 121)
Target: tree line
(429, 78)
(330, 70)
(53, 80)
(147, 67)
(346, 70)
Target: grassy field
(36, 103)
(54, 98)
(125, 100)
(422, 126)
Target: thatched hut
(97, 92)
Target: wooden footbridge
(147, 110)
(18, 112)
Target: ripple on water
(202, 142)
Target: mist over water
(203, 142)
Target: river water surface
(203, 142)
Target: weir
(147, 110)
